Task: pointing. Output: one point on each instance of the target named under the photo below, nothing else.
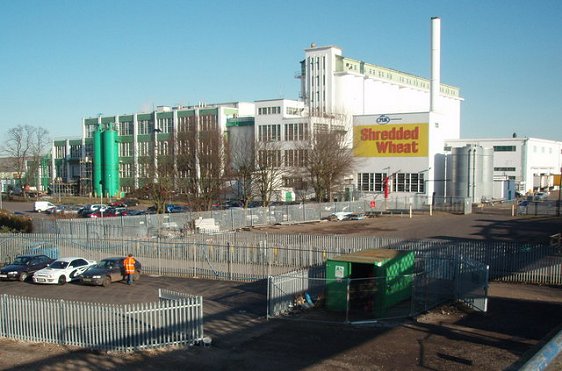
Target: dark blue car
(24, 266)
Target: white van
(42, 206)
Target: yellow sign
(402, 140)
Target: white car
(62, 271)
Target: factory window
(60, 152)
(504, 169)
(89, 150)
(504, 148)
(125, 170)
(90, 130)
(295, 157)
(269, 110)
(370, 182)
(292, 110)
(125, 128)
(165, 125)
(163, 148)
(365, 182)
(75, 151)
(143, 148)
(269, 133)
(146, 127)
(297, 131)
(400, 182)
(125, 149)
(269, 158)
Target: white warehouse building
(530, 163)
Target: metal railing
(246, 256)
(182, 224)
(176, 320)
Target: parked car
(42, 206)
(88, 209)
(62, 270)
(125, 202)
(24, 266)
(136, 212)
(64, 209)
(108, 270)
(108, 213)
(540, 196)
(118, 203)
(177, 209)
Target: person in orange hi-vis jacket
(129, 264)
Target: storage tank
(487, 173)
(471, 173)
(97, 162)
(110, 161)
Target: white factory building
(402, 127)
(530, 163)
(400, 121)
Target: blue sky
(65, 60)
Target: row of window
(267, 158)
(400, 182)
(276, 110)
(278, 158)
(293, 132)
(293, 110)
(504, 148)
(504, 169)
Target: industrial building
(120, 153)
(529, 163)
(404, 131)
(334, 90)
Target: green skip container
(378, 279)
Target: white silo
(471, 173)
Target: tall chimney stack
(435, 64)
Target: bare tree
(201, 160)
(328, 161)
(157, 174)
(26, 145)
(269, 171)
(243, 167)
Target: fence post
(61, 323)
(195, 260)
(4, 304)
(266, 252)
(347, 294)
(229, 261)
(268, 298)
(159, 261)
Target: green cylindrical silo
(97, 163)
(110, 168)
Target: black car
(108, 270)
(24, 266)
